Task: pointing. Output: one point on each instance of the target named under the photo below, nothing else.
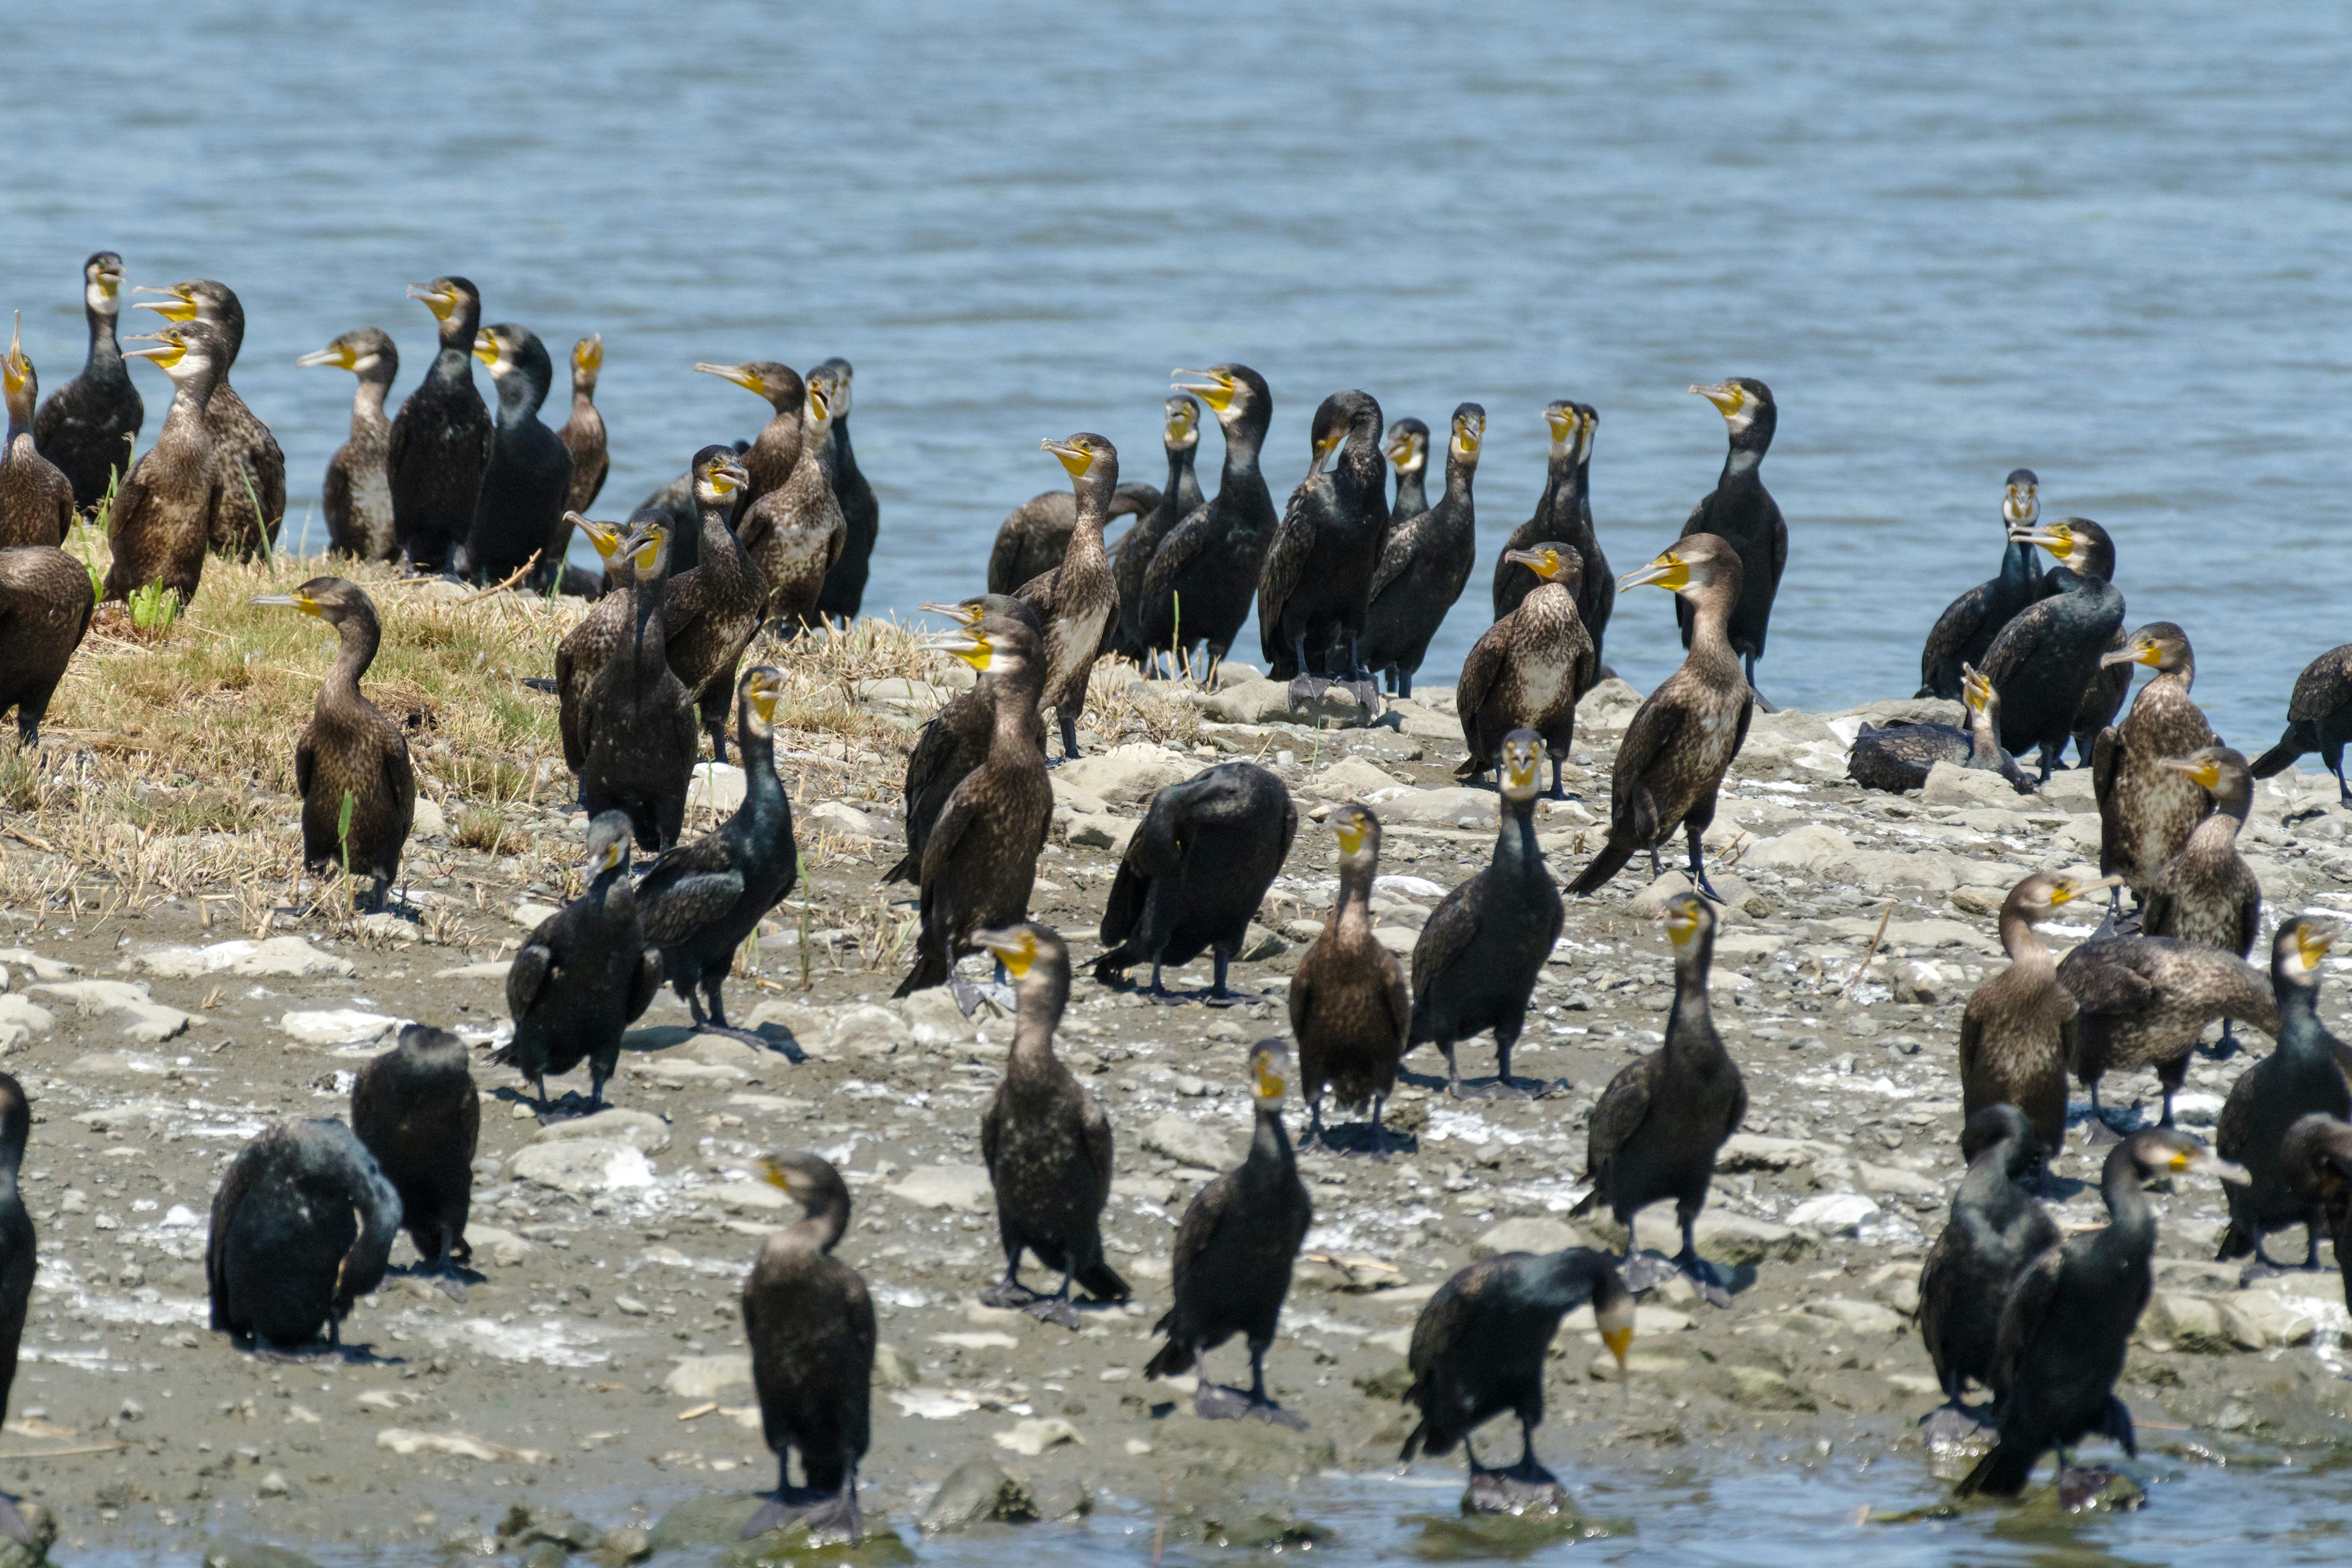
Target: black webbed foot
(830, 1516)
(1053, 1310)
(1216, 1402)
(1306, 690)
(1009, 1294)
(1950, 1427)
(1523, 1489)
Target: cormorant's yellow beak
(773, 1172)
(1016, 950)
(15, 368)
(167, 352)
(1211, 388)
(1400, 449)
(1351, 831)
(2143, 651)
(1179, 428)
(973, 647)
(1520, 768)
(295, 601)
(2058, 539)
(603, 535)
(176, 307)
(765, 691)
(588, 353)
(108, 279)
(611, 858)
(820, 406)
(1680, 925)
(2202, 1163)
(742, 376)
(486, 348)
(440, 302)
(1616, 1326)
(968, 613)
(1669, 572)
(1270, 1082)
(1544, 563)
(727, 475)
(1727, 399)
(647, 556)
(1976, 691)
(1563, 423)
(2068, 890)
(340, 355)
(1077, 460)
(2207, 772)
(1467, 434)
(2312, 941)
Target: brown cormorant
(1657, 1126)
(1683, 737)
(1194, 872)
(37, 503)
(1350, 1009)
(359, 792)
(44, 607)
(1740, 511)
(1425, 561)
(1045, 1140)
(1078, 602)
(1969, 623)
(2145, 1000)
(253, 470)
(955, 739)
(1317, 587)
(635, 721)
(776, 450)
(2206, 894)
(18, 1263)
(1479, 1349)
(2147, 810)
(1234, 1249)
(301, 1227)
(1995, 1231)
(796, 533)
(712, 607)
(2317, 1157)
(1476, 961)
(586, 646)
(980, 858)
(582, 432)
(2318, 718)
(519, 513)
(810, 1324)
(1899, 757)
(442, 437)
(356, 498)
(2069, 1316)
(417, 1110)
(585, 973)
(2303, 1075)
(2019, 1031)
(89, 425)
(1201, 582)
(2047, 654)
(844, 585)
(1180, 437)
(1525, 670)
(163, 517)
(1035, 535)
(701, 899)
(1564, 513)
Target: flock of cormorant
(1348, 586)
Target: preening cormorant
(1526, 672)
(37, 503)
(585, 973)
(1997, 1228)
(18, 1262)
(417, 1110)
(1180, 437)
(955, 739)
(2318, 718)
(356, 497)
(44, 607)
(1564, 513)
(519, 513)
(861, 515)
(582, 432)
(796, 532)
(2147, 810)
(1078, 601)
(2145, 1000)
(1199, 584)
(351, 765)
(2303, 1076)
(301, 1227)
(1969, 623)
(1899, 757)
(635, 721)
(1425, 561)
(89, 425)
(1234, 1249)
(163, 518)
(2019, 1033)
(253, 470)
(1194, 873)
(711, 608)
(1317, 587)
(1350, 1009)
(441, 439)
(2045, 657)
(1742, 513)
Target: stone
(1722, 1236)
(1608, 697)
(248, 1554)
(934, 1019)
(1100, 830)
(2264, 1320)
(1799, 848)
(1833, 1214)
(1761, 1388)
(1035, 1435)
(143, 1018)
(1950, 784)
(1754, 1151)
(1739, 899)
(281, 956)
(1878, 868)
(1350, 778)
(456, 1445)
(641, 1131)
(1895, 1181)
(1258, 944)
(705, 1376)
(715, 786)
(1189, 1143)
(979, 1492)
(843, 821)
(946, 1187)
(1526, 1233)
(2072, 786)
(42, 968)
(584, 1165)
(756, 1198)
(871, 1030)
(709, 1519)
(429, 821)
(1860, 1317)
(341, 1026)
(1129, 774)
(530, 914)
(1454, 806)
(1408, 717)
(1080, 801)
(21, 1020)
(809, 1028)
(1984, 901)
(1398, 940)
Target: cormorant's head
(603, 536)
(757, 694)
(1358, 833)
(1565, 420)
(2160, 645)
(102, 284)
(1031, 954)
(2077, 542)
(1269, 1065)
(2298, 947)
(995, 645)
(447, 296)
(1613, 1314)
(196, 299)
(2044, 891)
(642, 546)
(2218, 769)
(971, 612)
(333, 600)
(1746, 405)
(610, 838)
(781, 384)
(1519, 764)
(190, 353)
(1091, 459)
(1978, 692)
(1696, 561)
(1687, 918)
(15, 1117)
(23, 386)
(1548, 561)
(1338, 418)
(821, 403)
(718, 476)
(519, 361)
(1469, 434)
(1233, 391)
(2021, 499)
(1997, 1124)
(587, 362)
(810, 1180)
(1589, 418)
(1183, 431)
(1408, 446)
(838, 375)
(2162, 1151)
(366, 351)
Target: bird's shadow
(1358, 1138)
(314, 1352)
(770, 1035)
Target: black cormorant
(638, 740)
(2045, 657)
(1201, 582)
(442, 437)
(1317, 587)
(1996, 1228)
(1740, 511)
(89, 425)
(1425, 561)
(519, 513)
(356, 497)
(1194, 873)
(302, 1226)
(1899, 757)
(1526, 672)
(955, 739)
(584, 975)
(1180, 437)
(2303, 1075)
(2318, 718)
(18, 1263)
(1969, 623)
(417, 1110)
(844, 585)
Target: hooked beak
(175, 306)
(1211, 388)
(2204, 1164)
(301, 602)
(440, 302)
(1669, 572)
(1726, 397)
(1015, 950)
(339, 357)
(2206, 773)
(968, 613)
(603, 535)
(1077, 460)
(1544, 563)
(742, 376)
(2145, 653)
(2067, 892)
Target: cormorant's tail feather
(2279, 758)
(1590, 1202)
(1102, 1281)
(906, 870)
(2118, 1426)
(1605, 865)
(1112, 967)
(2001, 1473)
(2235, 1243)
(1174, 1359)
(930, 969)
(1412, 1441)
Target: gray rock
(1100, 830)
(979, 1492)
(871, 1030)
(641, 1131)
(1860, 1317)
(1451, 806)
(1761, 1388)
(934, 1019)
(1799, 848)
(584, 1165)
(946, 1187)
(1950, 784)
(1350, 778)
(1528, 1234)
(703, 1376)
(843, 820)
(242, 1554)
(1876, 869)
(1129, 774)
(1188, 1142)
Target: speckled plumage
(796, 531)
(1349, 1009)
(352, 750)
(163, 515)
(1526, 670)
(713, 608)
(2145, 1000)
(2147, 810)
(45, 608)
(2019, 1030)
(1078, 601)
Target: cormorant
(1740, 511)
(163, 517)
(1234, 1249)
(1525, 670)
(18, 1263)
(776, 450)
(1045, 1140)
(1407, 450)
(37, 503)
(1997, 1228)
(1035, 535)
(796, 533)
(810, 1324)
(1317, 587)
(2045, 657)
(1350, 1009)
(2068, 1320)
(586, 646)
(1199, 584)
(1180, 437)
(1657, 1126)
(359, 792)
(2145, 1000)
(1476, 961)
(45, 608)
(635, 722)
(585, 973)
(711, 608)
(519, 513)
(2206, 894)
(441, 439)
(1425, 561)
(2303, 1076)
(2147, 810)
(955, 739)
(1899, 757)
(253, 470)
(2318, 718)
(700, 901)
(416, 1109)
(1969, 623)
(1565, 513)
(2019, 1033)
(302, 1226)
(1194, 873)
(2317, 1157)
(1479, 1349)
(89, 425)
(582, 433)
(980, 858)
(844, 585)
(1683, 737)
(1078, 602)
(356, 498)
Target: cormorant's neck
(105, 347)
(1711, 624)
(455, 362)
(2131, 1218)
(191, 398)
(2300, 1030)
(20, 413)
(1354, 907)
(1015, 716)
(818, 1231)
(1515, 842)
(1412, 492)
(821, 445)
(1984, 737)
(1691, 964)
(2021, 941)
(1362, 473)
(1740, 464)
(458, 330)
(758, 743)
(2234, 800)
(367, 405)
(519, 397)
(1564, 1280)
(1179, 465)
(2017, 565)
(1243, 437)
(843, 455)
(359, 637)
(652, 645)
(1459, 477)
(1270, 1144)
(1037, 1013)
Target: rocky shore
(599, 1367)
